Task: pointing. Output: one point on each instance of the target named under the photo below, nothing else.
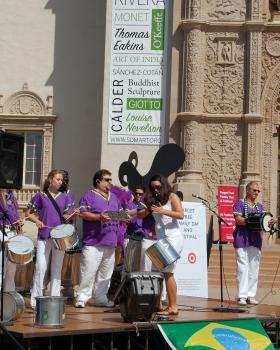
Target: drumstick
(71, 215)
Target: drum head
(20, 245)
(62, 231)
(266, 218)
(10, 305)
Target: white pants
(96, 269)
(44, 248)
(146, 262)
(9, 268)
(247, 272)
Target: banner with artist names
(221, 335)
(138, 72)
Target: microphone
(197, 196)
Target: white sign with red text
(191, 270)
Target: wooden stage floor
(93, 321)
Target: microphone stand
(221, 243)
(11, 338)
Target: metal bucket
(65, 236)
(132, 254)
(20, 250)
(162, 253)
(50, 312)
(13, 306)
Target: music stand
(13, 340)
(221, 243)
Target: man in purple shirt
(10, 220)
(144, 228)
(247, 244)
(100, 235)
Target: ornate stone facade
(24, 111)
(233, 103)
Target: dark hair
(65, 183)
(180, 195)
(164, 191)
(98, 176)
(50, 176)
(140, 187)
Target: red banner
(227, 195)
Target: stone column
(190, 178)
(253, 117)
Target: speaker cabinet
(138, 295)
(11, 160)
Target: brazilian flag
(229, 335)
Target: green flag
(231, 335)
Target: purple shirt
(71, 201)
(243, 237)
(47, 213)
(98, 233)
(10, 207)
(142, 226)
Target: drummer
(144, 228)
(48, 209)
(166, 209)
(247, 245)
(10, 220)
(65, 188)
(100, 235)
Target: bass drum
(14, 306)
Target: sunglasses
(258, 191)
(107, 179)
(139, 193)
(157, 187)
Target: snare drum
(64, 236)
(162, 253)
(13, 306)
(20, 250)
(50, 312)
(258, 221)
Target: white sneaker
(106, 303)
(80, 304)
(242, 301)
(252, 301)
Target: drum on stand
(70, 273)
(132, 253)
(162, 253)
(50, 312)
(258, 221)
(20, 250)
(64, 236)
(13, 306)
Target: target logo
(191, 258)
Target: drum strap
(55, 206)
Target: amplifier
(138, 295)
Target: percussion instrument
(162, 253)
(50, 312)
(258, 221)
(13, 306)
(132, 253)
(20, 250)
(64, 236)
(70, 273)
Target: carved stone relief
(226, 9)
(222, 163)
(224, 73)
(191, 140)
(194, 74)
(270, 54)
(195, 9)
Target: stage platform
(103, 328)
